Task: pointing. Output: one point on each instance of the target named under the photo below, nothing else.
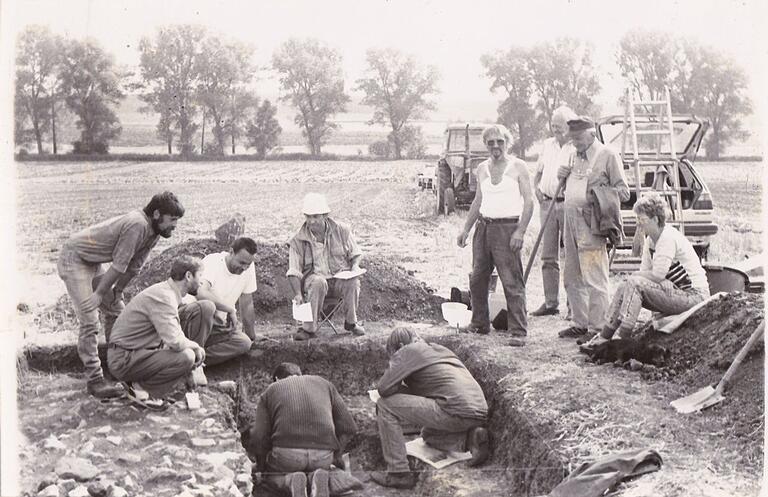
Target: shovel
(709, 396)
(541, 232)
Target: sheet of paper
(374, 395)
(434, 457)
(302, 312)
(346, 275)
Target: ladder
(656, 123)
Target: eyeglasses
(492, 143)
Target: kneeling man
(321, 249)
(148, 345)
(427, 385)
(227, 279)
(301, 427)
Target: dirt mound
(703, 348)
(711, 338)
(388, 291)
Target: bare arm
(525, 191)
(245, 303)
(206, 292)
(295, 284)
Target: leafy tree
(37, 84)
(225, 69)
(646, 60)
(719, 87)
(562, 74)
(92, 86)
(243, 104)
(509, 73)
(397, 87)
(169, 71)
(701, 81)
(311, 75)
(263, 130)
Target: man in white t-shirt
(556, 151)
(228, 279)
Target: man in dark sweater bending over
(427, 385)
(301, 427)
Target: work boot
(478, 443)
(585, 338)
(297, 482)
(591, 344)
(303, 335)
(545, 311)
(481, 330)
(355, 328)
(102, 389)
(572, 332)
(319, 486)
(400, 479)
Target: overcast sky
(449, 34)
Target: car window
(457, 138)
(613, 132)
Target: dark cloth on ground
(594, 479)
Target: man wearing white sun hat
(321, 249)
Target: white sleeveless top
(503, 199)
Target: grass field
(389, 214)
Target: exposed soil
(388, 291)
(551, 410)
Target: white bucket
(456, 314)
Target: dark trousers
(490, 247)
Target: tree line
(195, 81)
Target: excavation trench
(522, 462)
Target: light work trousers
(586, 272)
(440, 429)
(550, 251)
(637, 293)
(78, 276)
(317, 288)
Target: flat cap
(580, 124)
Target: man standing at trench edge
(125, 241)
(502, 208)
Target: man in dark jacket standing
(427, 385)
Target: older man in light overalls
(586, 259)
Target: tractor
(455, 179)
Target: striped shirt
(674, 258)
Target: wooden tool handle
(541, 231)
(756, 335)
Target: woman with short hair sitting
(670, 279)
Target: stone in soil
(228, 232)
(77, 468)
(49, 491)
